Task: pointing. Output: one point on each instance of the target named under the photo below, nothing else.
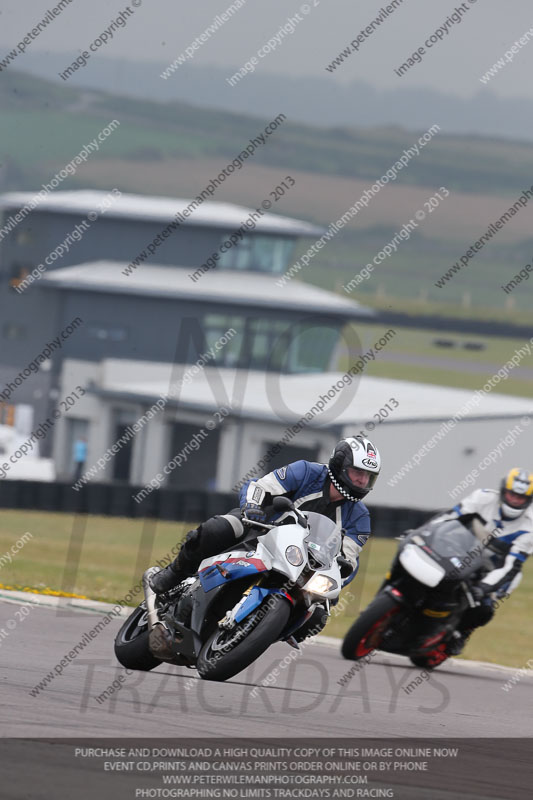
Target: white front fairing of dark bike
(421, 566)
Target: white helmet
(359, 453)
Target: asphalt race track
(286, 698)
(304, 698)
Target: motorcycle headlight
(294, 555)
(321, 584)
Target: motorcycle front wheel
(228, 652)
(367, 631)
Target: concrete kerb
(86, 606)
(454, 666)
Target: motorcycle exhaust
(150, 597)
(161, 641)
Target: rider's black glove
(481, 591)
(254, 512)
(477, 593)
(345, 567)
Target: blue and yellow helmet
(516, 492)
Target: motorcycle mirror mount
(281, 504)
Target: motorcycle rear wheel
(366, 633)
(245, 642)
(131, 643)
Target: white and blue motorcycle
(265, 590)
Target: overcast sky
(160, 30)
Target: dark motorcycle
(418, 606)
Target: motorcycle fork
(226, 621)
(468, 594)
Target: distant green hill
(44, 126)
(161, 130)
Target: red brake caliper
(437, 656)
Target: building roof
(159, 209)
(226, 287)
(267, 397)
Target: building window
(18, 272)
(7, 414)
(108, 334)
(13, 330)
(258, 254)
(310, 348)
(200, 472)
(272, 344)
(216, 326)
(24, 236)
(122, 461)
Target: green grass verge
(98, 557)
(103, 557)
(417, 341)
(495, 311)
(410, 342)
(406, 280)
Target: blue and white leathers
(514, 535)
(303, 482)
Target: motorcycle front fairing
(268, 556)
(441, 551)
(232, 571)
(284, 550)
(420, 565)
(294, 549)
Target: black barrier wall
(116, 500)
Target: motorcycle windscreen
(421, 566)
(324, 539)
(451, 539)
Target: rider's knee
(192, 540)
(221, 525)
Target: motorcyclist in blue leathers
(334, 490)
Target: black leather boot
(167, 578)
(184, 565)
